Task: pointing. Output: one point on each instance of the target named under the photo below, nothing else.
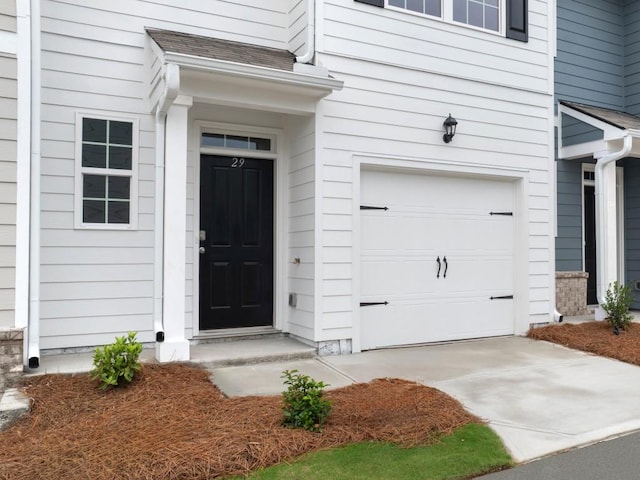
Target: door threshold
(231, 334)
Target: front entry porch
(596, 146)
(222, 180)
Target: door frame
(279, 217)
(591, 167)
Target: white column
(175, 346)
(606, 223)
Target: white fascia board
(251, 71)
(581, 150)
(8, 42)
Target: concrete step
(230, 351)
(250, 351)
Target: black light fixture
(450, 128)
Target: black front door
(590, 242)
(236, 240)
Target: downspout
(172, 86)
(23, 171)
(33, 348)
(307, 57)
(601, 237)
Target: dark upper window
(484, 14)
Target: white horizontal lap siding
(98, 283)
(262, 23)
(8, 152)
(397, 38)
(398, 112)
(301, 221)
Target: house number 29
(237, 162)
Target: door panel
(236, 267)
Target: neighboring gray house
(597, 86)
(215, 169)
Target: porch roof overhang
(237, 74)
(615, 126)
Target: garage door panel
(380, 278)
(489, 274)
(410, 232)
(433, 321)
(431, 217)
(412, 191)
(424, 233)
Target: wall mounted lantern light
(450, 128)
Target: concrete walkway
(539, 397)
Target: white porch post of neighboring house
(175, 346)
(606, 223)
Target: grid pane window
(479, 13)
(107, 156)
(427, 7)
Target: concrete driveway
(539, 397)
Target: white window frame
(132, 174)
(241, 151)
(446, 7)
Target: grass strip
(470, 451)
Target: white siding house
(196, 180)
(11, 328)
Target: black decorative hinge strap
(370, 304)
(369, 207)
(502, 297)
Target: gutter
(602, 240)
(172, 86)
(33, 330)
(307, 57)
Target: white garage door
(436, 258)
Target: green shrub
(618, 300)
(304, 406)
(117, 361)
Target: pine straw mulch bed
(594, 337)
(173, 423)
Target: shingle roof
(227, 50)
(615, 118)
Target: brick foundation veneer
(571, 293)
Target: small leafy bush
(618, 300)
(117, 361)
(304, 406)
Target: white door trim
(520, 262)
(279, 210)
